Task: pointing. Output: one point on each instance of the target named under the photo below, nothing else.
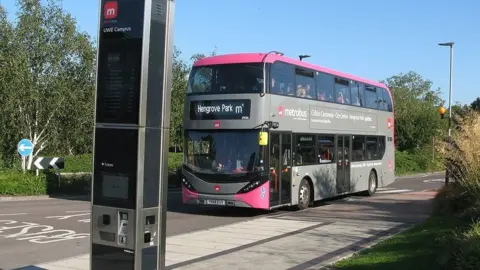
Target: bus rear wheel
(304, 195)
(372, 184)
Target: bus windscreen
(226, 79)
(223, 152)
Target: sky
(374, 39)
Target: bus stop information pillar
(132, 115)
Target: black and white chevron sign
(43, 163)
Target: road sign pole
(23, 163)
(132, 118)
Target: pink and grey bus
(266, 131)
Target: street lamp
(441, 110)
(449, 44)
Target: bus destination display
(220, 109)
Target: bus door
(280, 168)
(343, 163)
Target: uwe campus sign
(220, 109)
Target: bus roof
(272, 57)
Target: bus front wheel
(304, 195)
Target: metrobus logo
(296, 113)
(110, 10)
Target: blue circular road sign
(25, 147)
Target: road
(68, 223)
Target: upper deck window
(342, 88)
(305, 81)
(282, 79)
(371, 100)
(385, 100)
(226, 79)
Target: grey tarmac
(68, 224)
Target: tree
(51, 73)
(199, 56)
(8, 63)
(416, 116)
(475, 105)
(180, 71)
(179, 85)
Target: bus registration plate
(215, 202)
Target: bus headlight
(187, 185)
(251, 186)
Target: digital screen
(115, 167)
(120, 61)
(220, 109)
(115, 186)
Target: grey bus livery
(266, 131)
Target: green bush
(464, 169)
(461, 248)
(405, 163)
(14, 182)
(83, 163)
(418, 161)
(76, 184)
(454, 200)
(78, 163)
(461, 199)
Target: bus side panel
(323, 178)
(359, 175)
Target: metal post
(450, 94)
(447, 178)
(433, 149)
(449, 44)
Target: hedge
(83, 163)
(75, 179)
(418, 161)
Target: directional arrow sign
(25, 147)
(43, 163)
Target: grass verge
(450, 239)
(416, 248)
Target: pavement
(222, 237)
(37, 231)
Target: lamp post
(441, 110)
(449, 44)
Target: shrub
(83, 163)
(454, 200)
(416, 161)
(405, 163)
(78, 163)
(462, 197)
(72, 184)
(463, 163)
(15, 182)
(462, 248)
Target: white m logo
(111, 12)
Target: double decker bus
(262, 130)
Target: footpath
(310, 239)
